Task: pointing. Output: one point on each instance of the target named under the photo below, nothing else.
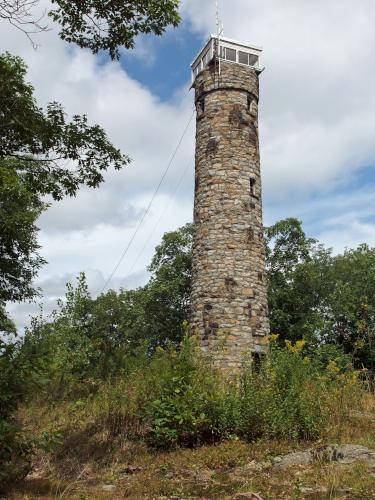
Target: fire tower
(229, 290)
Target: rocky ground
(265, 470)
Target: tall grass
(176, 398)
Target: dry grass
(91, 457)
(209, 473)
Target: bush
(15, 453)
(295, 396)
(191, 405)
(176, 398)
(15, 448)
(283, 400)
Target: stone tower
(229, 290)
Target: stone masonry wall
(229, 294)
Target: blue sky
(168, 68)
(317, 131)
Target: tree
(19, 13)
(99, 25)
(41, 153)
(295, 270)
(167, 295)
(19, 210)
(348, 308)
(44, 142)
(95, 24)
(15, 446)
(328, 300)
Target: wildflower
(297, 347)
(332, 367)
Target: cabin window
(243, 57)
(252, 186)
(230, 54)
(253, 60)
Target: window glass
(230, 55)
(253, 60)
(243, 57)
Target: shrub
(283, 399)
(15, 448)
(296, 396)
(176, 398)
(190, 405)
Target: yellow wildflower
(297, 347)
(332, 367)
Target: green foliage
(66, 349)
(19, 210)
(295, 286)
(189, 405)
(35, 147)
(349, 309)
(15, 448)
(166, 299)
(87, 340)
(175, 397)
(291, 396)
(109, 25)
(277, 401)
(329, 300)
(42, 142)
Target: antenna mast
(219, 32)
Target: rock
(313, 491)
(345, 454)
(131, 469)
(350, 453)
(108, 487)
(296, 458)
(248, 496)
(344, 491)
(251, 467)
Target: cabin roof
(224, 40)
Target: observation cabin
(226, 50)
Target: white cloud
(317, 107)
(90, 232)
(316, 124)
(317, 93)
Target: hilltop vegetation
(120, 370)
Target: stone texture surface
(341, 455)
(229, 294)
(345, 454)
